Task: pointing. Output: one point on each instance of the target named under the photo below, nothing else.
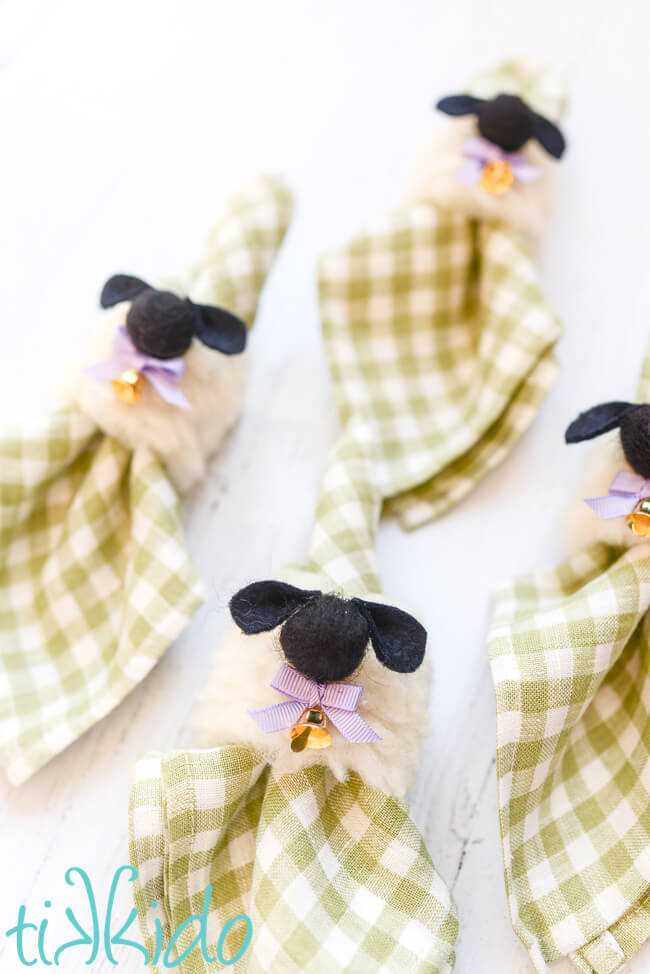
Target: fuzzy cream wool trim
(183, 439)
(526, 207)
(395, 705)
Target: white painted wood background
(123, 126)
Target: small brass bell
(128, 386)
(497, 177)
(639, 520)
(311, 731)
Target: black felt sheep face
(507, 121)
(324, 636)
(162, 325)
(633, 421)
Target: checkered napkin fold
(95, 577)
(314, 852)
(570, 657)
(438, 336)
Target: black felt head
(163, 325)
(324, 636)
(507, 121)
(633, 421)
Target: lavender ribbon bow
(163, 374)
(339, 702)
(478, 152)
(625, 492)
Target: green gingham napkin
(95, 577)
(334, 876)
(240, 249)
(439, 338)
(95, 582)
(570, 657)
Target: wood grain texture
(124, 126)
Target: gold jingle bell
(639, 520)
(311, 731)
(497, 177)
(129, 386)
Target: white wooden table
(123, 128)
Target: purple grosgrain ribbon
(478, 152)
(163, 374)
(625, 491)
(339, 701)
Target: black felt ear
(397, 638)
(549, 136)
(598, 420)
(121, 287)
(460, 104)
(261, 606)
(221, 330)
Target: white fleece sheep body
(526, 207)
(583, 527)
(183, 439)
(394, 704)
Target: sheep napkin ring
(439, 339)
(158, 331)
(315, 663)
(570, 663)
(505, 123)
(95, 577)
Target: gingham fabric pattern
(95, 578)
(241, 249)
(439, 341)
(570, 657)
(334, 877)
(95, 582)
(342, 552)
